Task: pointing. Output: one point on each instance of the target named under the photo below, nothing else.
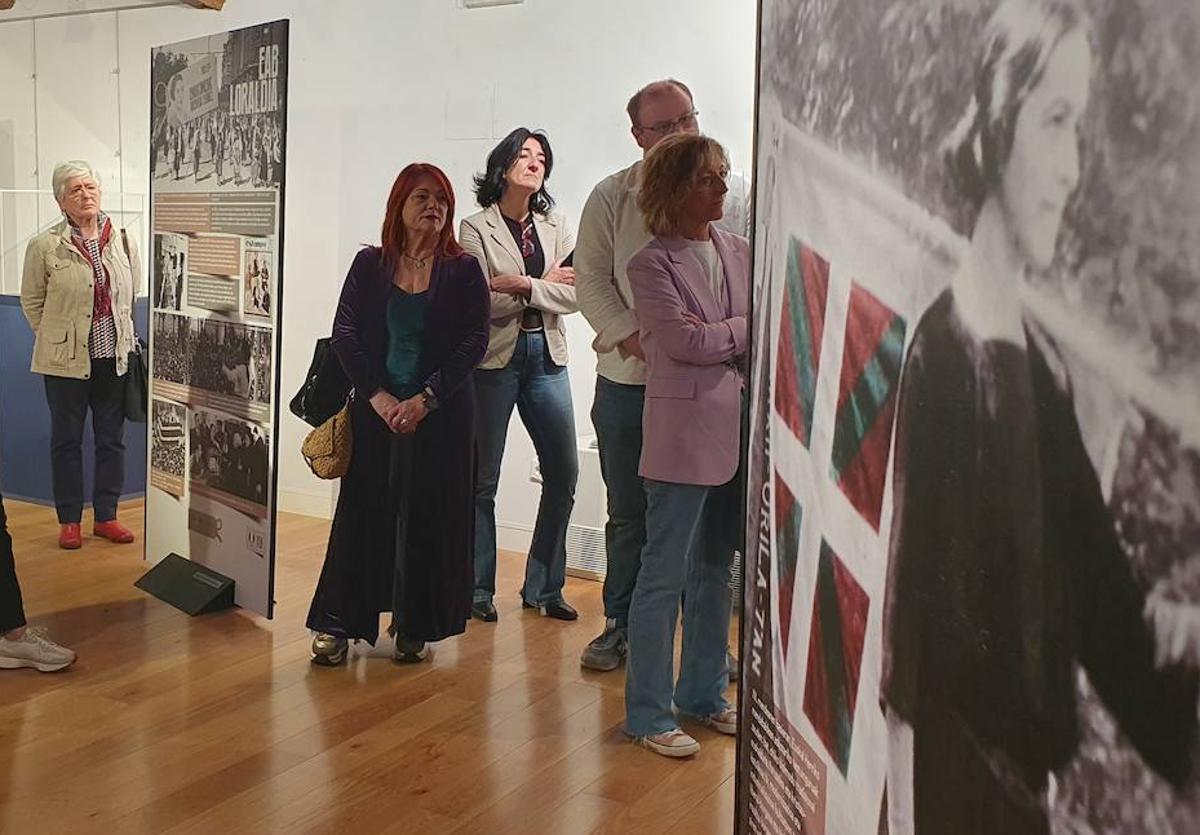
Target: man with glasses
(611, 232)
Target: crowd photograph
(228, 455)
(215, 355)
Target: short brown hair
(668, 174)
(634, 108)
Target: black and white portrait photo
(170, 267)
(1015, 180)
(256, 279)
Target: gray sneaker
(329, 650)
(34, 649)
(607, 650)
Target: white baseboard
(316, 503)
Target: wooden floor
(220, 724)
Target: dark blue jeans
(69, 401)
(541, 392)
(617, 416)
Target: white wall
(375, 84)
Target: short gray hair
(64, 172)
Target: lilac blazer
(692, 420)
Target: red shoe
(70, 538)
(113, 531)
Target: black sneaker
(557, 609)
(409, 650)
(484, 610)
(607, 650)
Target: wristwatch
(429, 399)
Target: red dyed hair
(393, 221)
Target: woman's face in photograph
(529, 168)
(1043, 165)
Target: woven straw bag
(327, 448)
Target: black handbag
(137, 384)
(137, 375)
(326, 387)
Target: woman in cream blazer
(521, 247)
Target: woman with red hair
(411, 325)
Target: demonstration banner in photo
(217, 161)
(972, 581)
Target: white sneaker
(34, 649)
(725, 722)
(673, 743)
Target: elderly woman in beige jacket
(77, 292)
(521, 246)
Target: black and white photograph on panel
(214, 362)
(168, 447)
(228, 461)
(217, 110)
(257, 270)
(170, 265)
(978, 238)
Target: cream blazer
(57, 299)
(485, 235)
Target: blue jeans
(617, 416)
(691, 537)
(541, 391)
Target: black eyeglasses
(686, 120)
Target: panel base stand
(188, 586)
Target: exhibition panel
(972, 575)
(217, 162)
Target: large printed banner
(219, 116)
(972, 596)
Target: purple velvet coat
(403, 532)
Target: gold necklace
(419, 263)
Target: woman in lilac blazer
(690, 288)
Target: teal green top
(405, 324)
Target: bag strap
(137, 341)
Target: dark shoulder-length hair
(1018, 41)
(393, 222)
(489, 186)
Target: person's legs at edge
(617, 416)
(546, 410)
(19, 645)
(107, 398)
(707, 607)
(496, 394)
(673, 519)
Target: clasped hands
(401, 416)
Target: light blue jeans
(691, 534)
(541, 393)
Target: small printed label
(206, 579)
